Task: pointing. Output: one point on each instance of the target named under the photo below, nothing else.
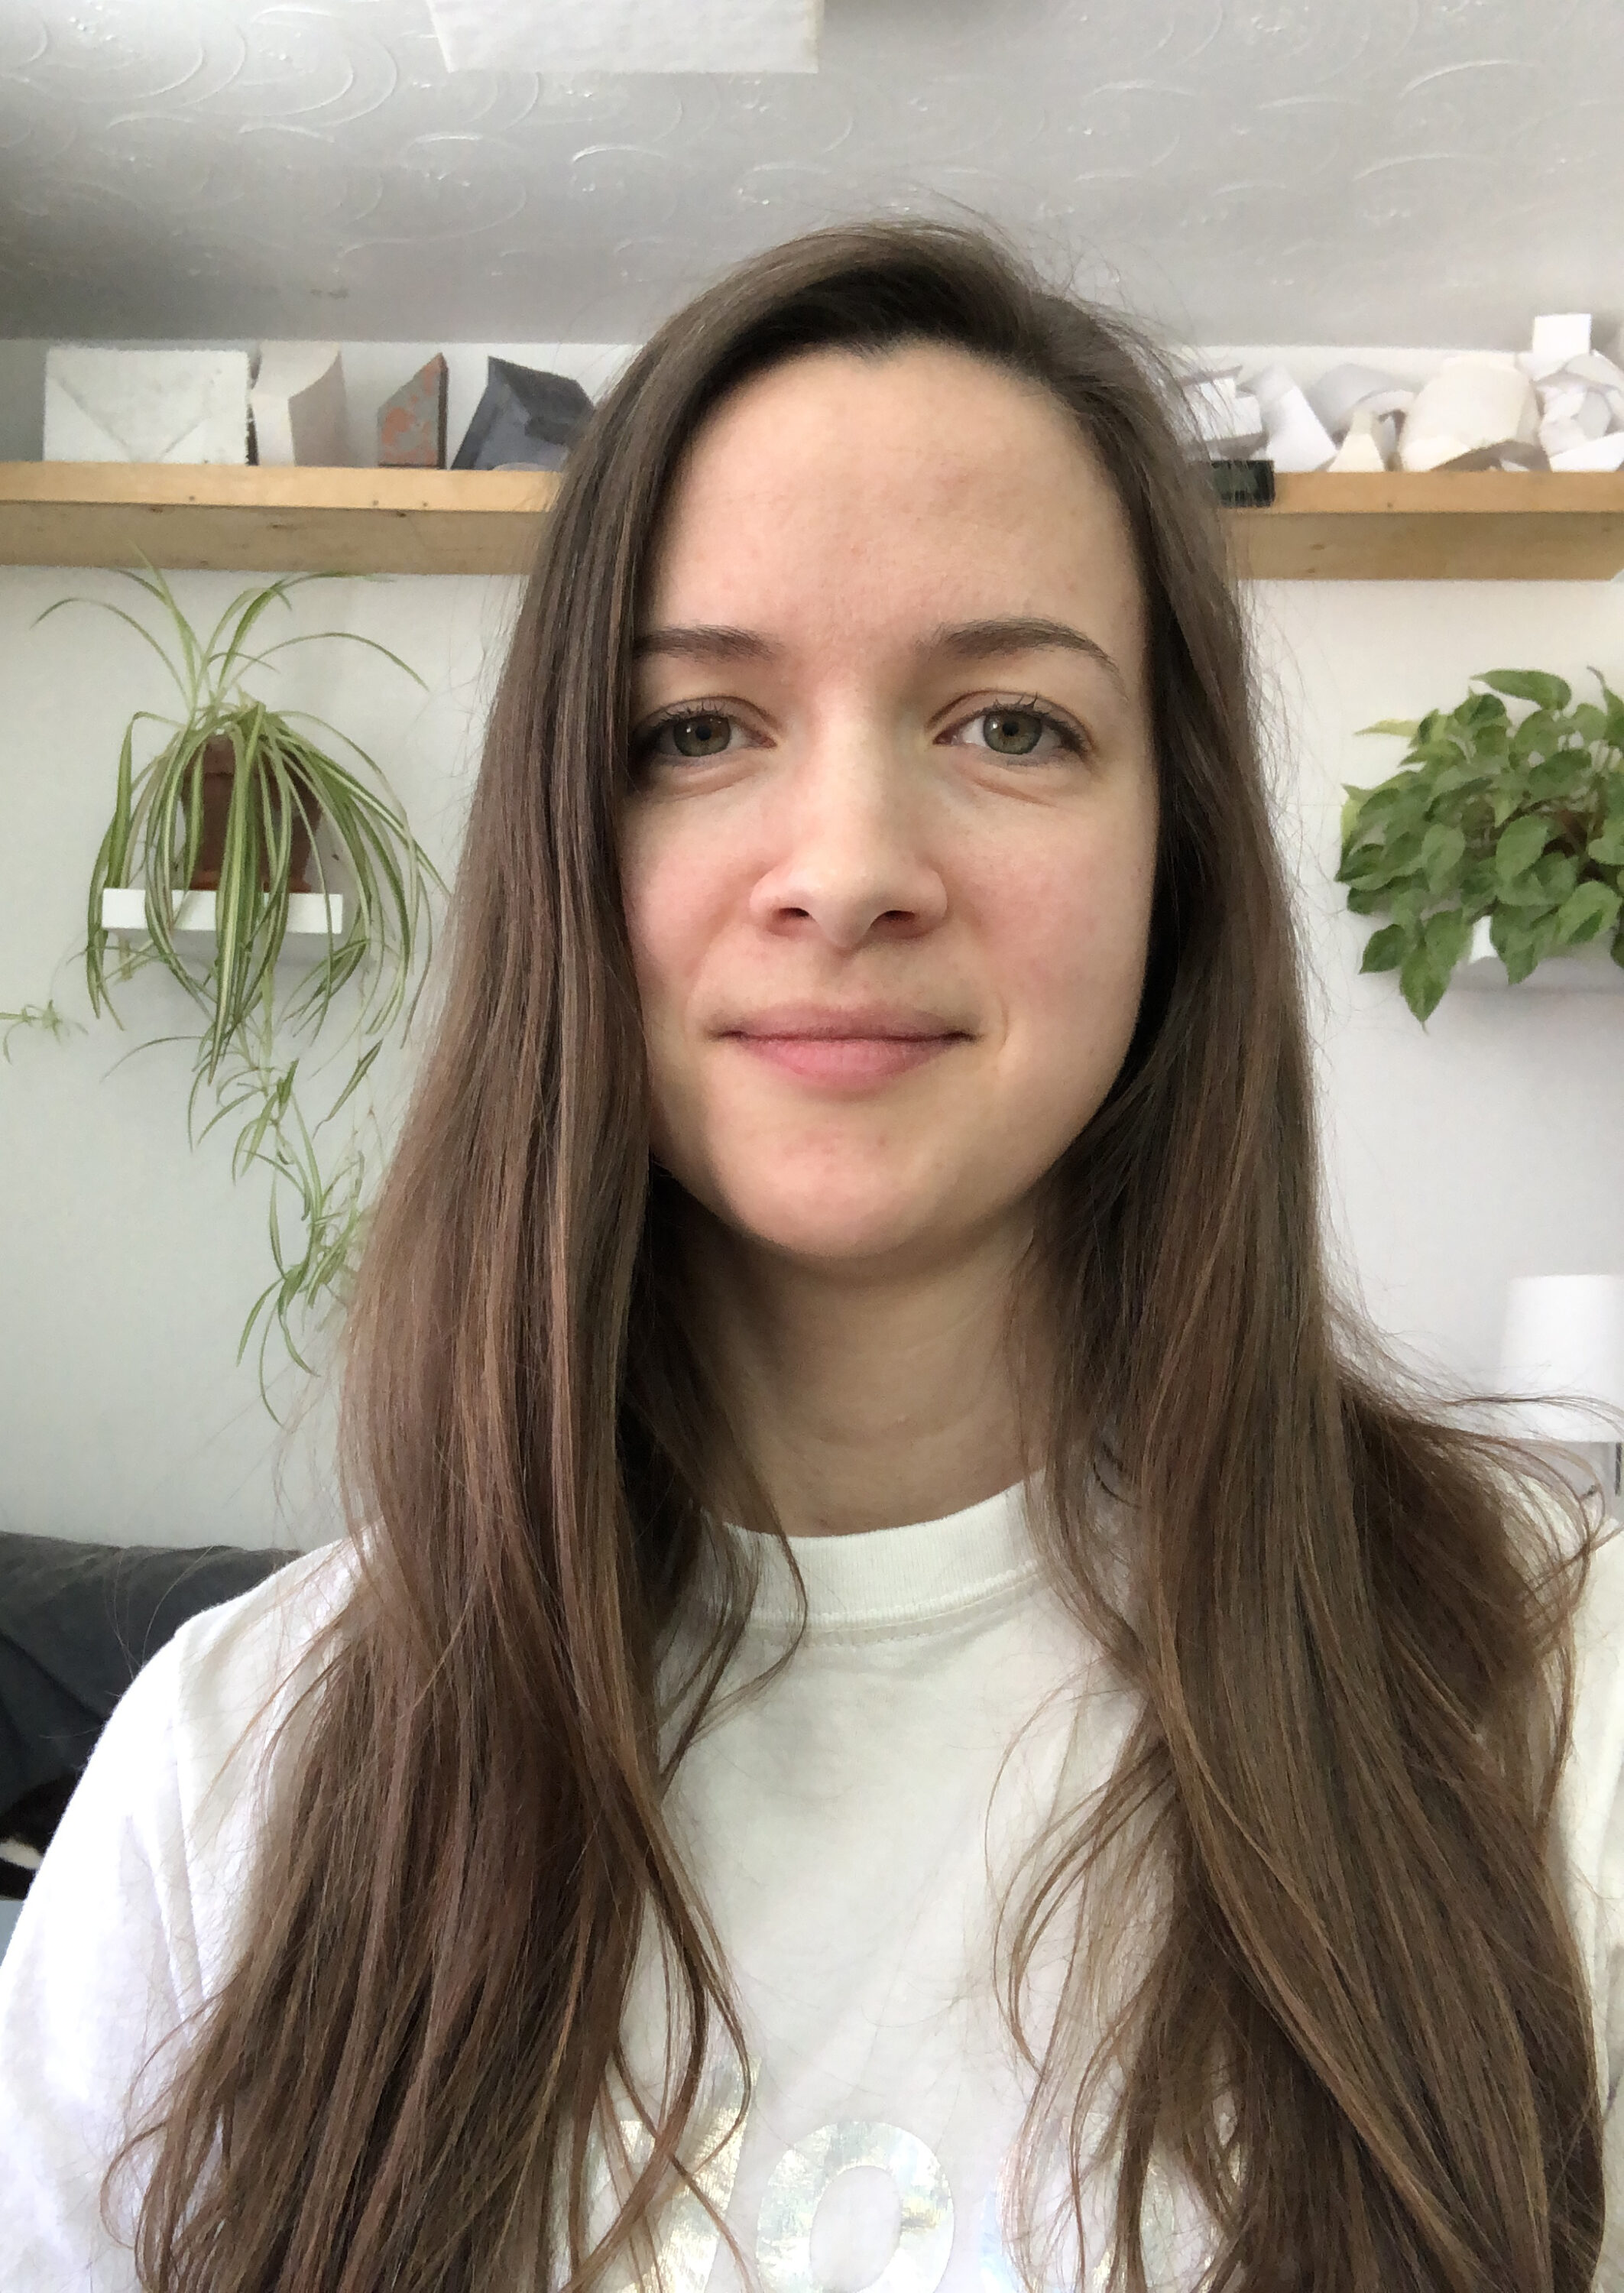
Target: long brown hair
(1362, 2031)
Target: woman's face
(889, 859)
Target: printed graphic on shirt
(900, 2231)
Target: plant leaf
(1442, 850)
(1386, 949)
(1520, 845)
(1591, 909)
(1421, 981)
(1535, 684)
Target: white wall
(1484, 1146)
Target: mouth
(845, 1051)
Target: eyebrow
(966, 641)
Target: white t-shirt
(852, 1829)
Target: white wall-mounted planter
(1591, 970)
(310, 916)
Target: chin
(830, 1223)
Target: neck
(866, 1397)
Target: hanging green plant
(1516, 817)
(248, 803)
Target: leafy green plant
(1516, 817)
(289, 794)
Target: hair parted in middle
(1360, 2028)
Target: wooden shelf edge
(273, 521)
(1482, 525)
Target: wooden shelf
(273, 521)
(1491, 525)
(1479, 525)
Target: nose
(850, 858)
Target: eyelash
(1071, 736)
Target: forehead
(878, 490)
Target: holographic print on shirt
(804, 2174)
(808, 2170)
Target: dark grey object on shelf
(525, 415)
(1244, 485)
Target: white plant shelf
(1591, 971)
(311, 915)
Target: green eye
(1012, 732)
(706, 735)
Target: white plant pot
(310, 916)
(1589, 971)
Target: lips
(850, 1049)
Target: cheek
(666, 895)
(675, 902)
(1069, 935)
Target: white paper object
(627, 35)
(298, 405)
(1228, 420)
(1297, 439)
(1573, 417)
(1564, 398)
(1337, 393)
(145, 406)
(1564, 1334)
(1592, 454)
(1561, 336)
(1594, 367)
(1477, 403)
(1592, 372)
(1370, 444)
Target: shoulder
(233, 1675)
(225, 1663)
(131, 1920)
(183, 1764)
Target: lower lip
(852, 1062)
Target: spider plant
(289, 798)
(283, 783)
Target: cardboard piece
(1297, 439)
(412, 424)
(145, 405)
(298, 405)
(526, 419)
(559, 37)
(1480, 404)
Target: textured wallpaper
(1263, 170)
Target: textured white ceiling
(1263, 170)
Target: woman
(870, 1091)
